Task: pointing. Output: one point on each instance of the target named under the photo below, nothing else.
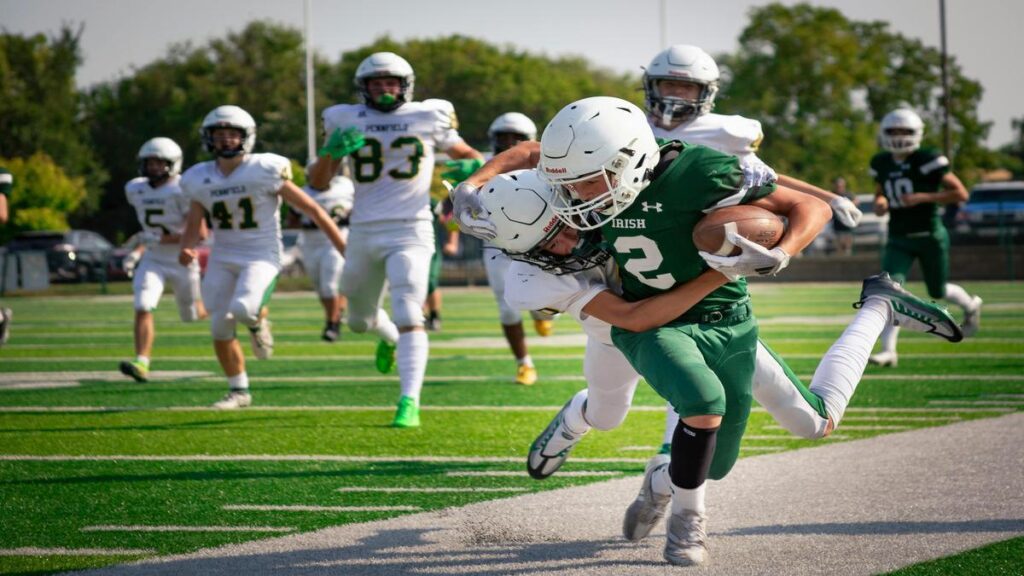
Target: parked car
(994, 209)
(75, 255)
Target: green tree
(819, 83)
(40, 107)
(43, 195)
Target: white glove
(756, 173)
(469, 212)
(755, 260)
(846, 211)
(131, 260)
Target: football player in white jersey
(242, 194)
(161, 209)
(680, 85)
(322, 262)
(392, 142)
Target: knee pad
(359, 325)
(244, 312)
(222, 327)
(507, 315)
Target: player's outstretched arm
(657, 310)
(295, 197)
(844, 209)
(519, 157)
(194, 225)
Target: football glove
(846, 211)
(755, 260)
(469, 212)
(130, 262)
(342, 143)
(459, 170)
(756, 173)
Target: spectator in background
(6, 183)
(844, 233)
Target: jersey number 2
(650, 259)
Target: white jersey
(733, 135)
(161, 210)
(243, 207)
(336, 201)
(393, 171)
(527, 287)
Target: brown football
(751, 222)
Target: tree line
(817, 81)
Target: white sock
(239, 382)
(144, 360)
(385, 328)
(683, 499)
(661, 482)
(889, 336)
(413, 348)
(957, 295)
(842, 367)
(671, 421)
(575, 419)
(525, 361)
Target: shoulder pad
(275, 164)
(744, 133)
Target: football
(751, 222)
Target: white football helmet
(520, 207)
(680, 62)
(387, 65)
(163, 148)
(229, 117)
(594, 137)
(905, 119)
(511, 123)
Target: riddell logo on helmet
(551, 224)
(555, 170)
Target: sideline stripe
(523, 474)
(436, 490)
(302, 508)
(141, 528)
(292, 458)
(34, 551)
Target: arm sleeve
(529, 288)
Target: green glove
(342, 143)
(461, 169)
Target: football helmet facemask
(229, 117)
(595, 137)
(385, 65)
(163, 149)
(514, 123)
(903, 119)
(686, 63)
(520, 206)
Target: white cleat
(884, 359)
(687, 539)
(649, 507)
(551, 449)
(234, 399)
(972, 317)
(262, 340)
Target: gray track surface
(850, 508)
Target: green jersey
(922, 171)
(652, 239)
(6, 182)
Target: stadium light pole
(310, 118)
(946, 142)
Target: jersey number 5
(220, 212)
(150, 213)
(650, 259)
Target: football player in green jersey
(911, 184)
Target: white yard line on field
(172, 528)
(34, 551)
(290, 458)
(517, 473)
(1000, 407)
(305, 508)
(428, 490)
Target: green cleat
(137, 370)
(909, 311)
(385, 356)
(408, 413)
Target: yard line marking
(999, 408)
(35, 551)
(775, 437)
(856, 427)
(148, 528)
(978, 402)
(425, 490)
(1009, 396)
(67, 379)
(762, 448)
(523, 474)
(302, 508)
(289, 458)
(937, 418)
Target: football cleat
(551, 449)
(331, 333)
(262, 340)
(385, 356)
(544, 328)
(234, 399)
(908, 310)
(408, 413)
(884, 359)
(526, 375)
(649, 507)
(433, 323)
(972, 317)
(5, 324)
(687, 539)
(137, 370)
